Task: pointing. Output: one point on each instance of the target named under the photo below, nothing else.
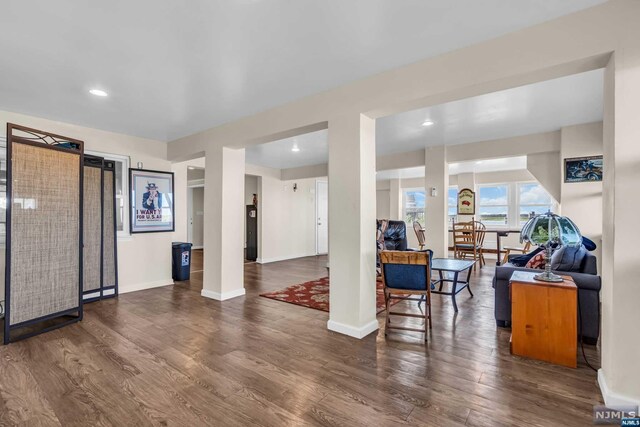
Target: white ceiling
(540, 107)
(172, 68)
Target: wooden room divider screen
(44, 256)
(100, 258)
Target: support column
(223, 224)
(619, 376)
(395, 199)
(352, 225)
(436, 218)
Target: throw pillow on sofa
(536, 262)
(522, 260)
(568, 258)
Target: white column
(352, 225)
(436, 218)
(223, 224)
(395, 199)
(619, 377)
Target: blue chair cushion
(406, 276)
(467, 246)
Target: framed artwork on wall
(583, 169)
(151, 194)
(466, 202)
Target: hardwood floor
(167, 356)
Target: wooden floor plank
(167, 356)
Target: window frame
(123, 234)
(553, 206)
(508, 205)
(455, 204)
(404, 202)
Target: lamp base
(548, 277)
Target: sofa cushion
(568, 258)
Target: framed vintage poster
(151, 195)
(583, 169)
(466, 202)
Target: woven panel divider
(109, 274)
(45, 232)
(92, 228)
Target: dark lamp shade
(551, 229)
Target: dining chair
(468, 240)
(509, 249)
(419, 230)
(407, 274)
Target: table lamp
(549, 230)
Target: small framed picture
(583, 169)
(466, 202)
(151, 196)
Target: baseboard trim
(612, 398)
(222, 296)
(284, 258)
(142, 286)
(197, 247)
(358, 333)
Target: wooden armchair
(509, 249)
(419, 230)
(468, 240)
(405, 274)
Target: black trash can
(181, 260)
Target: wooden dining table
(500, 233)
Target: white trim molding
(222, 296)
(122, 289)
(283, 258)
(612, 398)
(358, 333)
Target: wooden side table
(544, 323)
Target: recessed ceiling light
(428, 123)
(295, 148)
(191, 168)
(98, 92)
(479, 162)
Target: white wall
(148, 249)
(288, 219)
(582, 201)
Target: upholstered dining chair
(407, 274)
(509, 249)
(468, 240)
(419, 230)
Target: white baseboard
(197, 247)
(359, 333)
(142, 286)
(283, 258)
(612, 398)
(222, 296)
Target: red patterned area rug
(315, 294)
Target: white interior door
(322, 217)
(190, 215)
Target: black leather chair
(395, 237)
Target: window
(494, 204)
(122, 190)
(413, 206)
(532, 199)
(452, 203)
